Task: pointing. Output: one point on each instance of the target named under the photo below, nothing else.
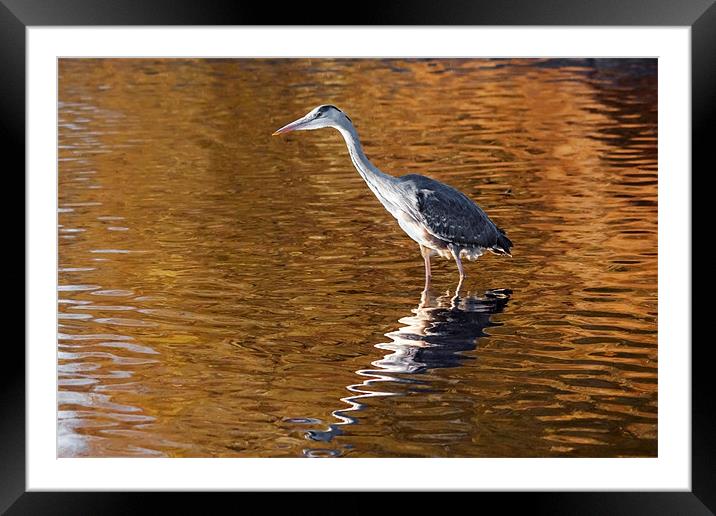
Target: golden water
(226, 293)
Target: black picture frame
(699, 15)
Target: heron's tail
(503, 244)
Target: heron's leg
(456, 255)
(426, 257)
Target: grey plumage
(441, 219)
(451, 216)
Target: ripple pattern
(225, 293)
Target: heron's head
(322, 116)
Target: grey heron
(441, 219)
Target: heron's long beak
(291, 127)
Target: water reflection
(438, 335)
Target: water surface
(226, 293)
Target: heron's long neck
(379, 182)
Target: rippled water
(226, 293)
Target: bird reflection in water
(440, 331)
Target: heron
(441, 219)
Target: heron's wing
(450, 215)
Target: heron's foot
(460, 284)
(455, 299)
(427, 297)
